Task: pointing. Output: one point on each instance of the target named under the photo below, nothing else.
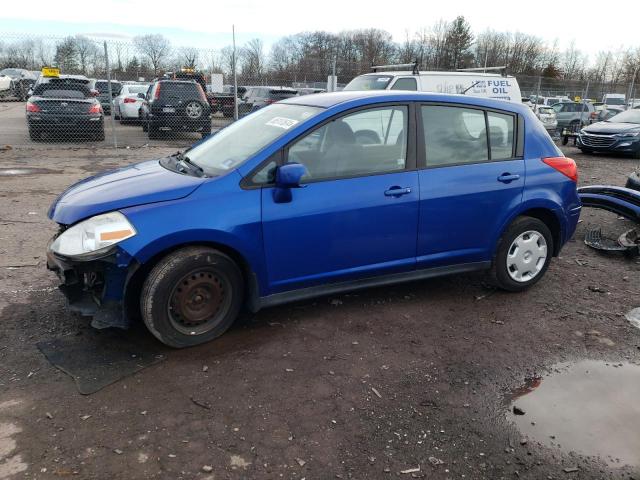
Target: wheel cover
(199, 301)
(526, 256)
(194, 110)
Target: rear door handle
(508, 177)
(396, 191)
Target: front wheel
(523, 255)
(586, 151)
(191, 296)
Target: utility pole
(235, 77)
(112, 121)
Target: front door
(357, 214)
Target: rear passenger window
(501, 128)
(454, 135)
(405, 84)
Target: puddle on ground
(11, 172)
(591, 408)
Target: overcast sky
(208, 24)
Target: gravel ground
(363, 385)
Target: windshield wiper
(185, 163)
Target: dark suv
(175, 105)
(102, 87)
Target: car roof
(355, 97)
(409, 73)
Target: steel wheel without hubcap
(526, 256)
(198, 301)
(194, 110)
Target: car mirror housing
(288, 176)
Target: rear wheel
(191, 296)
(523, 255)
(34, 134)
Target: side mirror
(288, 176)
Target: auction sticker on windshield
(282, 122)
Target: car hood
(611, 127)
(146, 182)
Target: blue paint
(338, 229)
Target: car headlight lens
(629, 134)
(93, 235)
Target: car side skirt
(257, 303)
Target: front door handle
(508, 177)
(396, 191)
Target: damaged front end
(95, 285)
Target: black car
(63, 107)
(102, 87)
(620, 133)
(178, 106)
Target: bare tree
(86, 51)
(155, 47)
(253, 59)
(189, 57)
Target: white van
(477, 84)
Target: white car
(128, 102)
(547, 116)
(5, 83)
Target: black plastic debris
(627, 243)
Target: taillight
(96, 108)
(202, 95)
(32, 107)
(564, 165)
(130, 100)
(269, 101)
(157, 94)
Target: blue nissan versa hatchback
(315, 195)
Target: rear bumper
(96, 287)
(73, 123)
(180, 123)
(129, 110)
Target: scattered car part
(620, 200)
(633, 182)
(627, 243)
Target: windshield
(103, 87)
(630, 116)
(137, 88)
(369, 82)
(62, 89)
(615, 101)
(236, 143)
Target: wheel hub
(196, 299)
(526, 256)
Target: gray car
(572, 115)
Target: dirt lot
(365, 385)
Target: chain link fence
(104, 93)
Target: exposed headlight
(628, 134)
(93, 235)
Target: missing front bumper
(96, 287)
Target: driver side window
(362, 143)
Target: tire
(177, 281)
(586, 151)
(525, 229)
(35, 135)
(153, 131)
(98, 136)
(194, 110)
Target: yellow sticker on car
(50, 72)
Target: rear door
(471, 180)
